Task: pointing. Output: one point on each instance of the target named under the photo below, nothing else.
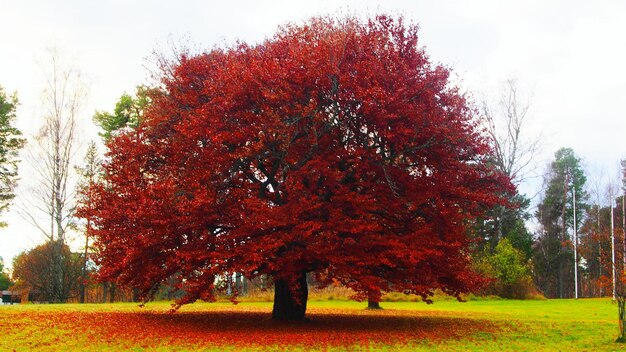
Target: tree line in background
(577, 250)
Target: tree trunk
(59, 290)
(373, 305)
(81, 298)
(112, 289)
(135, 295)
(238, 284)
(105, 291)
(373, 300)
(560, 274)
(621, 311)
(290, 302)
(83, 281)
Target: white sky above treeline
(569, 58)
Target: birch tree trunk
(51, 158)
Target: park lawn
(495, 325)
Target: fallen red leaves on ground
(253, 327)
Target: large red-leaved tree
(334, 147)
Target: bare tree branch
(53, 152)
(513, 150)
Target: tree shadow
(245, 328)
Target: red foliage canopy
(334, 147)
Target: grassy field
(549, 325)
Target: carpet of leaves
(253, 328)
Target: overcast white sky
(569, 58)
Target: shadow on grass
(255, 328)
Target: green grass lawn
(548, 325)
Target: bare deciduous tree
(508, 128)
(51, 205)
(54, 148)
(513, 151)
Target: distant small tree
(507, 266)
(32, 270)
(5, 280)
(508, 263)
